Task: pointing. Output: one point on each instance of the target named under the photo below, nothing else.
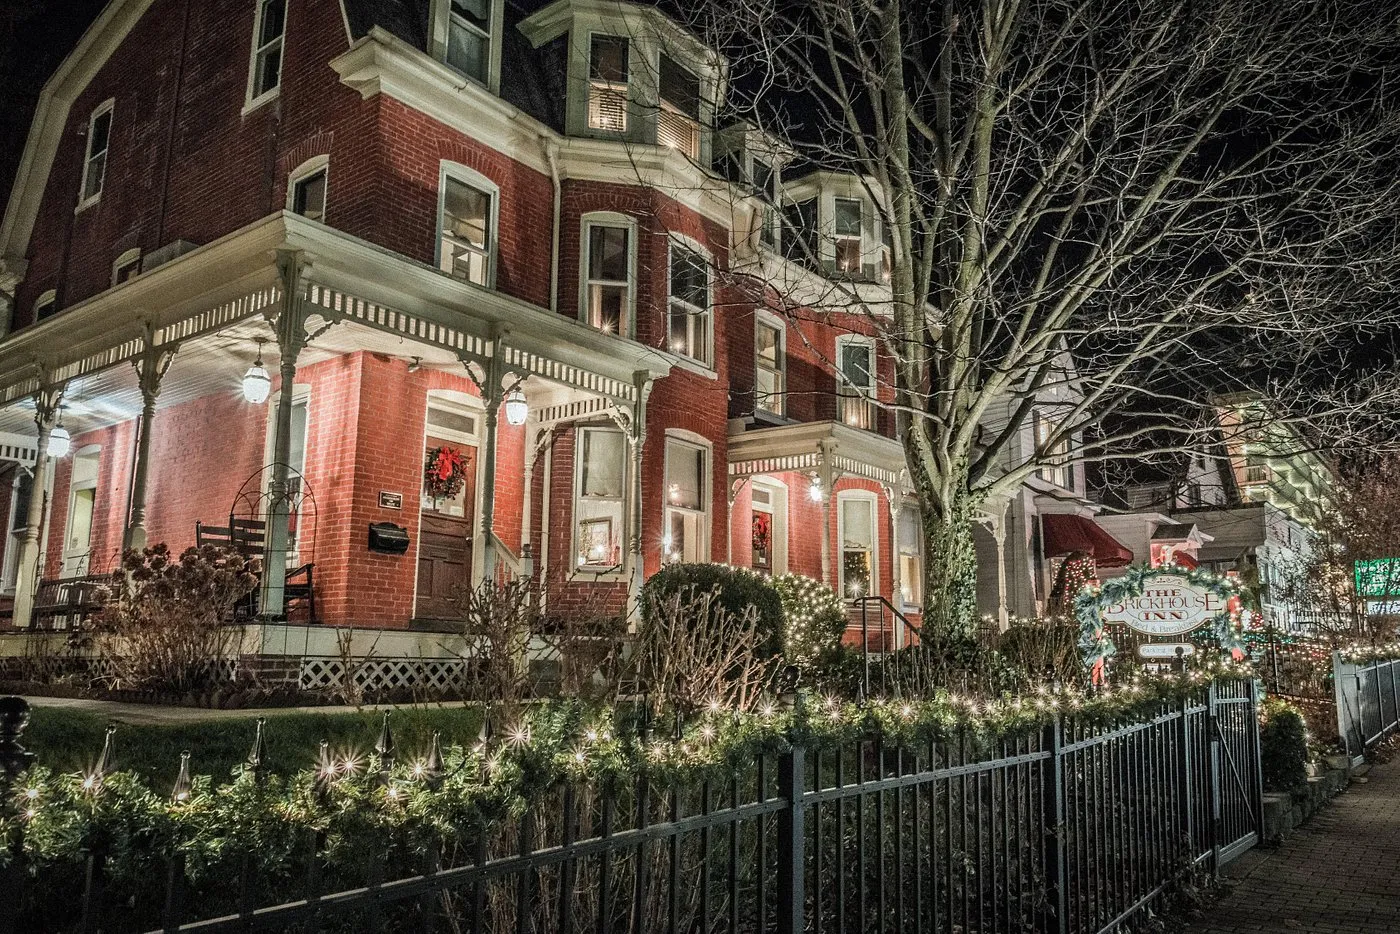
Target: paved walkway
(1339, 874)
(153, 714)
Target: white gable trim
(51, 116)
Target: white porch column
(291, 339)
(637, 436)
(895, 499)
(492, 394)
(827, 476)
(999, 534)
(735, 485)
(30, 562)
(151, 368)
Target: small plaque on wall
(389, 500)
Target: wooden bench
(66, 602)
(248, 537)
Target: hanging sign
(1168, 605)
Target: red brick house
(435, 223)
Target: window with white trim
(799, 235)
(269, 35)
(308, 195)
(1055, 471)
(678, 118)
(607, 83)
(99, 137)
(82, 499)
(466, 222)
(855, 384)
(765, 184)
(856, 529)
(886, 252)
(126, 266)
(45, 305)
(469, 38)
(689, 328)
(687, 502)
(607, 275)
(848, 235)
(600, 486)
(911, 560)
(770, 366)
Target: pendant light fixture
(59, 438)
(517, 409)
(257, 384)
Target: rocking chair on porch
(248, 537)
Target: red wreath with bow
(444, 472)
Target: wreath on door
(444, 472)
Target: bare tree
(1145, 203)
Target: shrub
(1043, 651)
(1283, 746)
(165, 630)
(814, 619)
(739, 589)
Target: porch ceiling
(213, 301)
(799, 447)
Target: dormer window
(678, 119)
(886, 253)
(847, 236)
(1055, 454)
(469, 38)
(763, 182)
(607, 84)
(799, 232)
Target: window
(856, 528)
(687, 521)
(1056, 470)
(309, 195)
(469, 38)
(465, 248)
(678, 120)
(268, 33)
(600, 488)
(855, 389)
(82, 495)
(45, 305)
(848, 233)
(768, 528)
(770, 364)
(799, 232)
(689, 332)
(95, 162)
(886, 252)
(911, 564)
(126, 266)
(607, 84)
(763, 184)
(607, 280)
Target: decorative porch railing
(1071, 829)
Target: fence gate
(1368, 702)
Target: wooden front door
(445, 543)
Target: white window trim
(611, 219)
(843, 497)
(908, 508)
(301, 173)
(843, 386)
(588, 571)
(75, 485)
(778, 508)
(467, 176)
(86, 200)
(707, 497)
(46, 297)
(124, 259)
(1047, 472)
(708, 364)
(863, 237)
(439, 13)
(765, 318)
(629, 117)
(252, 103)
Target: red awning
(1066, 534)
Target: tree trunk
(950, 570)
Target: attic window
(607, 84)
(268, 35)
(678, 121)
(309, 196)
(848, 231)
(95, 162)
(469, 37)
(127, 266)
(45, 305)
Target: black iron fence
(1071, 830)
(1368, 701)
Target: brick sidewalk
(1339, 874)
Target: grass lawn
(70, 741)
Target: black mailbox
(387, 538)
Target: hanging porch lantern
(257, 384)
(59, 438)
(517, 409)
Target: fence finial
(184, 786)
(257, 756)
(384, 750)
(107, 762)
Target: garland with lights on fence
(444, 472)
(1097, 645)
(434, 795)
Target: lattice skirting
(376, 675)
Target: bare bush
(497, 621)
(164, 628)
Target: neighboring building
(436, 224)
